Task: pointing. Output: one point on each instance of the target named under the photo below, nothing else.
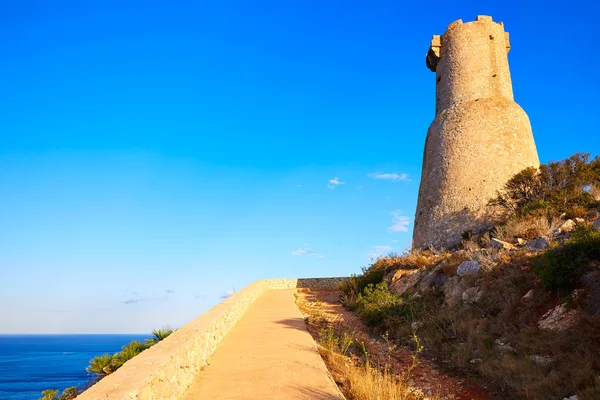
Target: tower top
(433, 55)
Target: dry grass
(410, 259)
(364, 382)
(528, 228)
(349, 358)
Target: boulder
(453, 291)
(500, 244)
(434, 278)
(521, 242)
(468, 267)
(471, 295)
(596, 224)
(527, 296)
(567, 226)
(404, 279)
(558, 319)
(537, 244)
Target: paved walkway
(269, 354)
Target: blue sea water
(32, 363)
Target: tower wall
(479, 138)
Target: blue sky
(155, 155)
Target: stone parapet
(165, 370)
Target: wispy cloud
(200, 297)
(144, 299)
(306, 252)
(227, 294)
(169, 291)
(299, 185)
(394, 177)
(360, 187)
(382, 249)
(334, 182)
(401, 222)
(377, 251)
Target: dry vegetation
(497, 336)
(361, 371)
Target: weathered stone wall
(165, 370)
(479, 138)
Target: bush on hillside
(560, 266)
(565, 186)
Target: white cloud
(360, 187)
(401, 222)
(378, 251)
(227, 294)
(394, 177)
(334, 182)
(299, 185)
(306, 252)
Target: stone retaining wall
(165, 370)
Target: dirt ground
(425, 377)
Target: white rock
(567, 226)
(468, 267)
(499, 244)
(503, 347)
(558, 319)
(527, 296)
(416, 325)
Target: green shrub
(356, 284)
(129, 351)
(376, 304)
(560, 266)
(556, 187)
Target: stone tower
(479, 138)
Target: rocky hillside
(516, 307)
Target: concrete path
(269, 354)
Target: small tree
(49, 395)
(69, 393)
(558, 187)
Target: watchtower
(479, 138)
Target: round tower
(479, 138)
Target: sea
(30, 364)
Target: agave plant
(102, 365)
(129, 351)
(159, 334)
